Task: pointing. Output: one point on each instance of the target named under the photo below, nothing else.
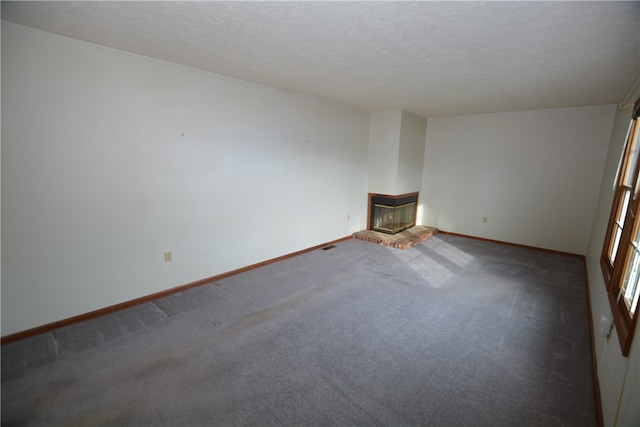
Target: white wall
(619, 376)
(411, 153)
(396, 152)
(384, 149)
(109, 159)
(533, 174)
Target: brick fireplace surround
(403, 240)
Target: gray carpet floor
(452, 332)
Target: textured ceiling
(430, 58)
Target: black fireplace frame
(390, 200)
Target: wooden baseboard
(594, 361)
(137, 301)
(512, 244)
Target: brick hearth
(403, 240)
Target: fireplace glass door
(393, 219)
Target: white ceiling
(430, 58)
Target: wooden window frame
(614, 270)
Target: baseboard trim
(594, 361)
(553, 251)
(137, 301)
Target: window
(620, 258)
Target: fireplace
(392, 214)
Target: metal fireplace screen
(391, 214)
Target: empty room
(320, 213)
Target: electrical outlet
(348, 217)
(484, 219)
(167, 257)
